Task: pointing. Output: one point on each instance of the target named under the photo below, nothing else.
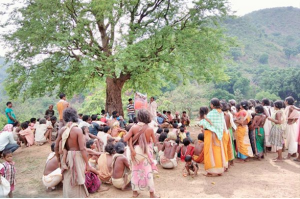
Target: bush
(264, 58)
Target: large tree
(70, 45)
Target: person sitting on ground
(88, 136)
(16, 130)
(93, 153)
(105, 163)
(42, 132)
(176, 118)
(116, 131)
(94, 127)
(160, 118)
(170, 149)
(129, 125)
(199, 146)
(181, 135)
(186, 149)
(54, 128)
(113, 119)
(32, 123)
(170, 117)
(121, 175)
(7, 141)
(50, 112)
(159, 145)
(26, 135)
(104, 136)
(103, 117)
(190, 166)
(86, 121)
(185, 119)
(52, 173)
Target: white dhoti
(53, 179)
(291, 133)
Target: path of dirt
(252, 179)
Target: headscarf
(8, 127)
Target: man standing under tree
(61, 106)
(153, 109)
(71, 139)
(130, 110)
(11, 117)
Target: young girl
(9, 171)
(276, 133)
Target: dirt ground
(263, 179)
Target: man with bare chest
(72, 140)
(168, 159)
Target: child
(166, 130)
(93, 155)
(181, 135)
(9, 171)
(187, 149)
(190, 166)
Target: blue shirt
(12, 114)
(160, 120)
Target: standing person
(8, 171)
(268, 124)
(232, 128)
(50, 112)
(276, 133)
(138, 138)
(61, 106)
(7, 141)
(242, 139)
(11, 117)
(214, 158)
(71, 139)
(298, 109)
(130, 110)
(258, 131)
(153, 109)
(291, 130)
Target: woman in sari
(259, 135)
(268, 124)
(242, 136)
(138, 138)
(291, 130)
(213, 124)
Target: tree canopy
(68, 46)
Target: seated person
(88, 136)
(26, 134)
(121, 175)
(185, 119)
(54, 126)
(105, 163)
(181, 135)
(186, 149)
(159, 145)
(170, 117)
(199, 146)
(16, 130)
(52, 173)
(7, 141)
(157, 134)
(104, 136)
(86, 121)
(129, 125)
(168, 159)
(42, 132)
(116, 131)
(190, 166)
(32, 123)
(160, 118)
(94, 127)
(122, 122)
(176, 118)
(187, 133)
(92, 152)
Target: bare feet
(296, 160)
(277, 160)
(153, 195)
(294, 155)
(135, 194)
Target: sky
(241, 7)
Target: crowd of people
(87, 151)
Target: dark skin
(118, 170)
(190, 166)
(149, 134)
(169, 150)
(198, 148)
(227, 119)
(75, 142)
(51, 166)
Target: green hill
(267, 37)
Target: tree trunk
(114, 94)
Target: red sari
(189, 151)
